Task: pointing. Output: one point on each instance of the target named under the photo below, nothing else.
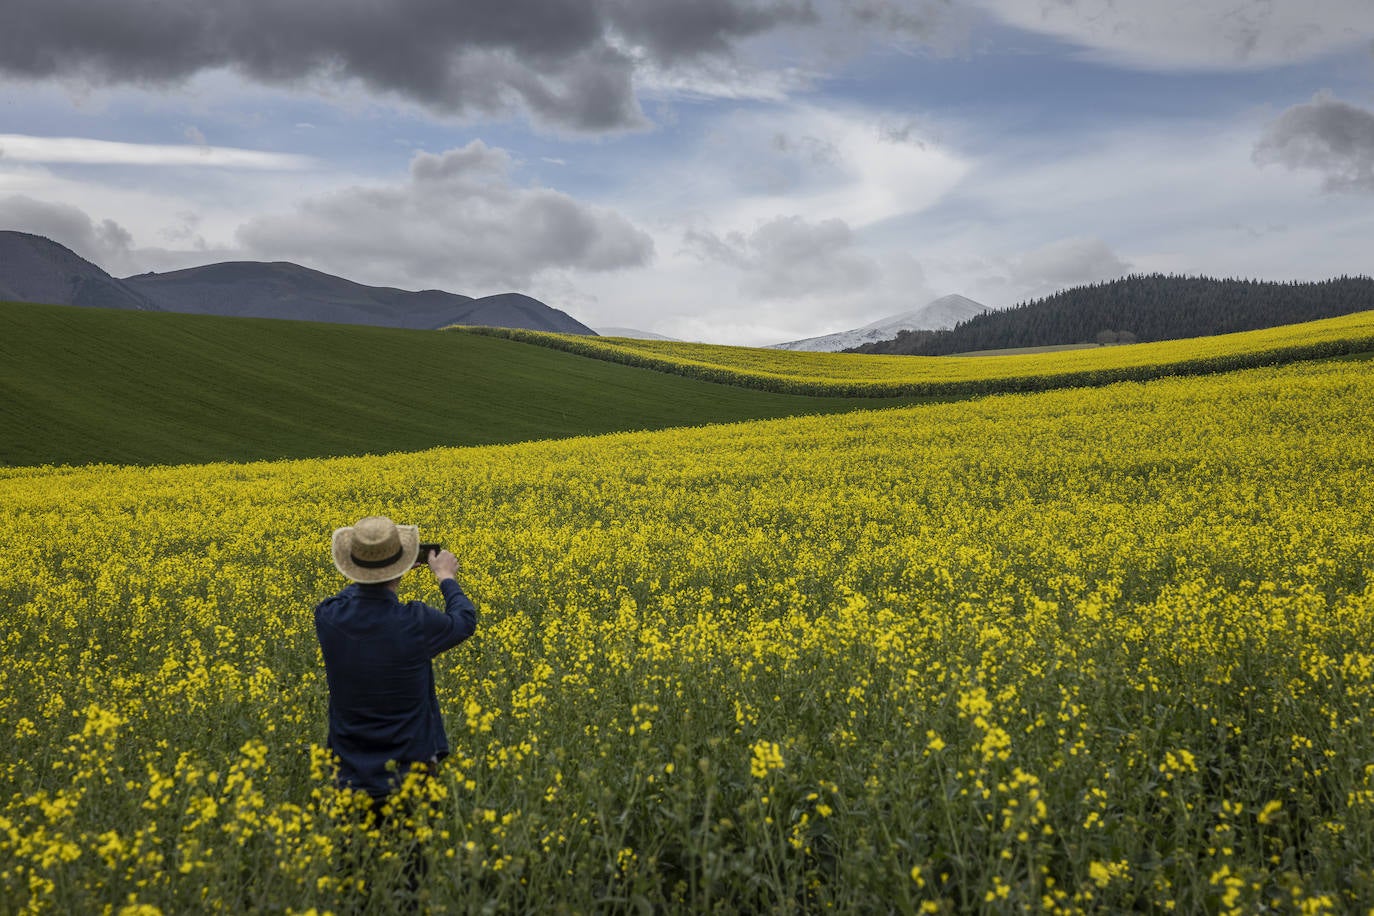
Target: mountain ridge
(34, 268)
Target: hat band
(376, 564)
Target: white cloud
(752, 165)
(1197, 34)
(23, 148)
(457, 221)
(1176, 197)
(722, 78)
(1064, 263)
(788, 258)
(105, 243)
(736, 288)
(765, 228)
(196, 211)
(868, 172)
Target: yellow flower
(767, 758)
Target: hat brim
(341, 548)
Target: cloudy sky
(737, 171)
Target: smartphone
(427, 549)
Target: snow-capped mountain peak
(943, 313)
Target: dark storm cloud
(458, 221)
(672, 29)
(569, 62)
(1327, 136)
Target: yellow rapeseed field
(852, 374)
(1079, 651)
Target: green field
(81, 385)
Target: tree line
(1140, 307)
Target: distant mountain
(36, 269)
(1143, 308)
(632, 332)
(945, 312)
(499, 310)
(255, 289)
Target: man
(384, 715)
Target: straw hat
(376, 549)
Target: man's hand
(444, 565)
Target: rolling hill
(881, 376)
(82, 385)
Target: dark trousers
(414, 862)
(389, 816)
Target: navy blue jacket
(382, 705)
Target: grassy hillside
(82, 385)
(885, 376)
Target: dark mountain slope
(517, 304)
(255, 289)
(35, 269)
